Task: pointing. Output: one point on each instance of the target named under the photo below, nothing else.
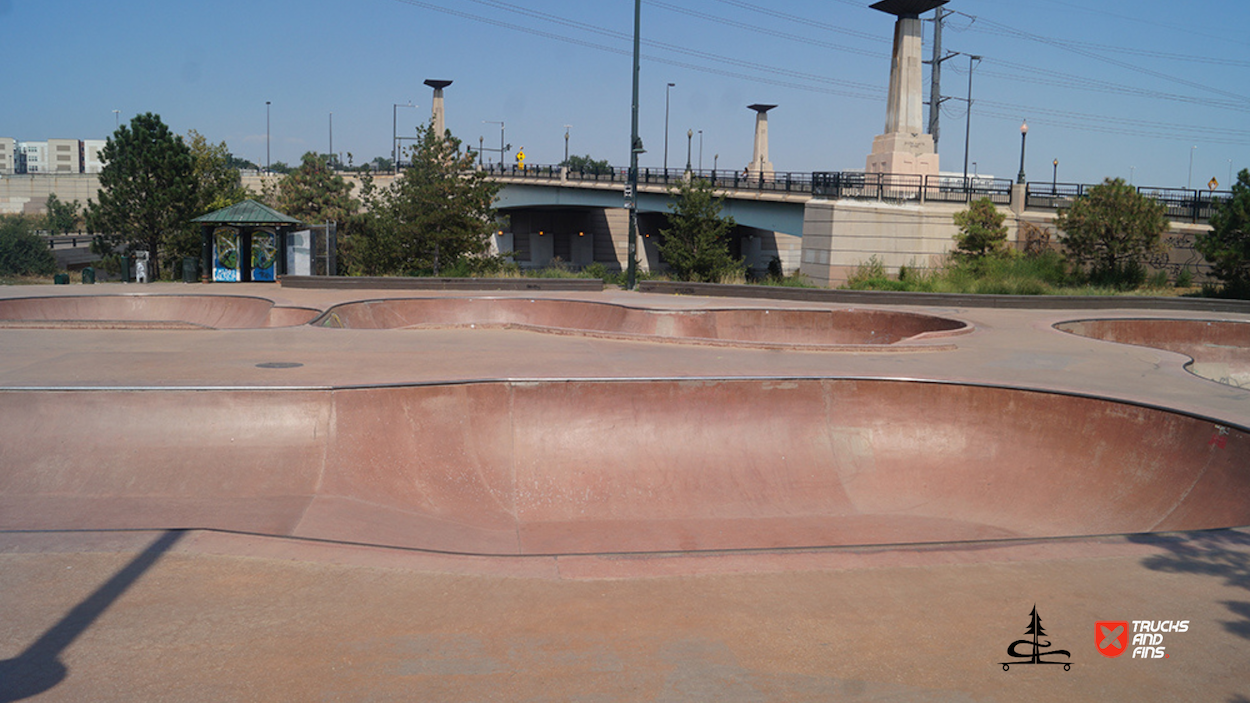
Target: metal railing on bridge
(1182, 204)
(777, 182)
(1194, 205)
(857, 185)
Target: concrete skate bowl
(1219, 350)
(746, 327)
(149, 312)
(548, 468)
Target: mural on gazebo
(244, 242)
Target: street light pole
(1024, 135)
(666, 90)
(566, 144)
(117, 121)
(700, 151)
(968, 126)
(1190, 183)
(689, 141)
(1054, 179)
(331, 137)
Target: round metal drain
(279, 365)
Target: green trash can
(61, 279)
(88, 275)
(125, 268)
(190, 270)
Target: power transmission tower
(935, 83)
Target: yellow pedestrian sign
(520, 157)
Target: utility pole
(635, 148)
(935, 82)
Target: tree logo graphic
(1036, 655)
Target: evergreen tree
(1227, 245)
(314, 193)
(1110, 231)
(981, 231)
(696, 244)
(148, 191)
(436, 213)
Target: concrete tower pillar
(905, 148)
(440, 120)
(759, 154)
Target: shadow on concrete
(39, 668)
(1224, 554)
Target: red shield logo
(1111, 637)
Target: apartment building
(8, 156)
(64, 156)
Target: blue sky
(1114, 88)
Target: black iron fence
(1194, 205)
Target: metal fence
(910, 188)
(1194, 205)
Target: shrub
(22, 252)
(981, 231)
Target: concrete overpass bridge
(823, 224)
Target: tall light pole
(700, 151)
(666, 90)
(501, 144)
(1190, 183)
(1024, 134)
(117, 122)
(331, 138)
(968, 127)
(395, 133)
(566, 144)
(689, 141)
(635, 148)
(1054, 179)
(266, 136)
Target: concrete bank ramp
(737, 326)
(1220, 349)
(629, 466)
(149, 312)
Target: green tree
(696, 244)
(587, 165)
(437, 213)
(22, 251)
(148, 190)
(981, 232)
(314, 193)
(219, 183)
(62, 217)
(1110, 231)
(1227, 245)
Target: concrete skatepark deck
(614, 496)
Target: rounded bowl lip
(918, 342)
(273, 304)
(1188, 365)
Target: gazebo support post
(206, 253)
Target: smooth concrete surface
(1219, 349)
(187, 422)
(778, 327)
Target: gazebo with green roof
(244, 242)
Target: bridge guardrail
(1195, 205)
